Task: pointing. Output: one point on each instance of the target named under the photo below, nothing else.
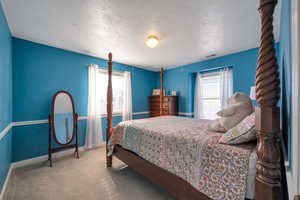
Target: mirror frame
(53, 114)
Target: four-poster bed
(268, 175)
(161, 105)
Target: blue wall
(5, 96)
(181, 79)
(286, 74)
(39, 71)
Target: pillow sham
(241, 133)
(215, 126)
(239, 107)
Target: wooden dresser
(170, 105)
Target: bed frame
(268, 178)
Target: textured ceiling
(189, 30)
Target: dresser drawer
(170, 106)
(157, 105)
(157, 100)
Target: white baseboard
(43, 158)
(6, 182)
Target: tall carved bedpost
(109, 109)
(161, 106)
(268, 177)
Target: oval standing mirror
(63, 117)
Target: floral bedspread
(184, 147)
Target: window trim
(207, 75)
(114, 73)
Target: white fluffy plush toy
(239, 106)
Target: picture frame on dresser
(156, 92)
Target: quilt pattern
(184, 147)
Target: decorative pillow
(239, 107)
(241, 133)
(215, 126)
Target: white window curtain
(207, 98)
(127, 103)
(197, 98)
(226, 83)
(94, 135)
(212, 91)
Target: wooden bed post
(161, 106)
(267, 114)
(109, 109)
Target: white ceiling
(188, 30)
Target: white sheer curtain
(94, 135)
(212, 90)
(226, 83)
(197, 98)
(127, 103)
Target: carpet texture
(86, 178)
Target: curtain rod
(105, 69)
(215, 69)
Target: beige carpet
(80, 179)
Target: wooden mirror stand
(62, 125)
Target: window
(211, 93)
(118, 90)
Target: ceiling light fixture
(211, 55)
(152, 41)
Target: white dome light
(152, 41)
